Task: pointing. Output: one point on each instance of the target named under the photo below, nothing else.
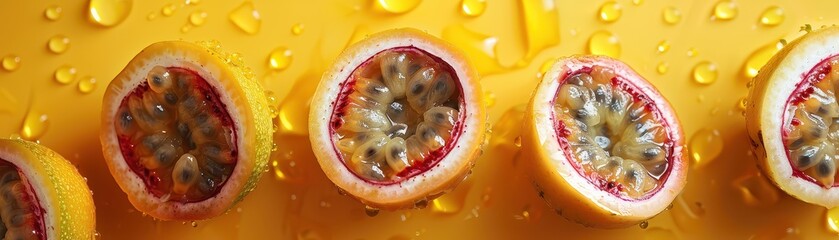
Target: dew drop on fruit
(610, 12)
(742, 103)
(705, 73)
(194, 224)
(53, 12)
(755, 190)
(644, 224)
(772, 16)
(663, 46)
(671, 15)
(11, 62)
(395, 6)
(725, 10)
(705, 146)
(832, 219)
(604, 43)
(246, 17)
(65, 74)
(198, 18)
(758, 58)
(541, 24)
(662, 67)
(109, 13)
(58, 44)
(35, 124)
(473, 8)
(168, 9)
(87, 84)
(297, 29)
(480, 48)
(371, 211)
(280, 58)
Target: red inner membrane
(811, 125)
(177, 136)
(613, 134)
(398, 114)
(22, 216)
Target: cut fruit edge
(437, 180)
(58, 187)
(558, 180)
(767, 103)
(244, 100)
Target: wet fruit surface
(397, 115)
(176, 134)
(613, 134)
(22, 215)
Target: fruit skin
(559, 183)
(247, 106)
(61, 191)
(443, 177)
(767, 101)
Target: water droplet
(671, 15)
(87, 84)
(782, 42)
(395, 6)
(473, 8)
(194, 224)
(65, 74)
(168, 9)
(109, 13)
(11, 62)
(35, 125)
(662, 67)
(692, 52)
(280, 58)
(604, 43)
(705, 73)
(610, 12)
(489, 99)
(246, 18)
(772, 16)
(297, 29)
(806, 28)
(480, 48)
(705, 146)
(725, 10)
(53, 12)
(58, 44)
(370, 211)
(758, 58)
(743, 103)
(756, 190)
(198, 18)
(541, 24)
(663, 46)
(644, 224)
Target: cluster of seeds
(177, 135)
(811, 130)
(399, 109)
(615, 137)
(17, 213)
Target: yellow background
(497, 201)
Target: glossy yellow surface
(725, 195)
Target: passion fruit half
(186, 130)
(42, 195)
(793, 118)
(602, 145)
(398, 120)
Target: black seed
(186, 174)
(212, 169)
(18, 218)
(440, 86)
(805, 160)
(395, 152)
(157, 80)
(171, 98)
(392, 68)
(183, 130)
(822, 110)
(428, 134)
(824, 168)
(797, 143)
(417, 88)
(370, 152)
(817, 132)
(207, 186)
(153, 141)
(202, 118)
(126, 119)
(164, 155)
(651, 153)
(413, 69)
(439, 117)
(211, 150)
(9, 176)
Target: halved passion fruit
(398, 120)
(186, 130)
(602, 145)
(793, 118)
(42, 195)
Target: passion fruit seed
(811, 134)
(403, 106)
(611, 133)
(175, 135)
(19, 220)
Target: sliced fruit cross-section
(602, 145)
(186, 131)
(42, 195)
(793, 117)
(399, 119)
